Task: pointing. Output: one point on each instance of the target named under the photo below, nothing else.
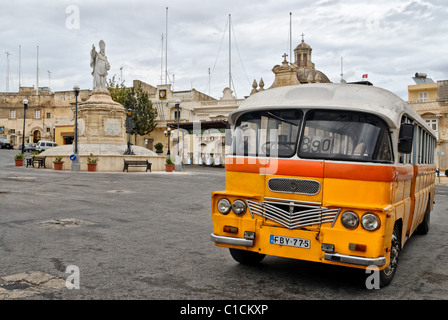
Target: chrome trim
(294, 186)
(361, 261)
(310, 213)
(232, 240)
(287, 200)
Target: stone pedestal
(101, 120)
(101, 133)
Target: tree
(137, 99)
(159, 147)
(144, 114)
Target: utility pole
(230, 53)
(166, 47)
(161, 63)
(7, 71)
(20, 65)
(290, 38)
(37, 72)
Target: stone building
(307, 73)
(49, 115)
(303, 70)
(430, 100)
(202, 120)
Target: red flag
(364, 76)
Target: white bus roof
(341, 96)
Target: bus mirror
(406, 138)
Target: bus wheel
(423, 227)
(387, 274)
(246, 257)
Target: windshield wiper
(280, 118)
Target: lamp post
(178, 160)
(129, 127)
(75, 162)
(167, 133)
(25, 106)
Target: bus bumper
(232, 241)
(333, 257)
(361, 261)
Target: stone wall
(111, 163)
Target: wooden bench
(29, 161)
(137, 163)
(40, 161)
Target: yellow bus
(341, 174)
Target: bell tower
(303, 55)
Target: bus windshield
(267, 133)
(345, 135)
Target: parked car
(29, 147)
(45, 145)
(5, 144)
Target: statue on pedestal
(100, 65)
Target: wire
(241, 60)
(219, 51)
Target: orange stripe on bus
(285, 167)
(243, 164)
(382, 173)
(321, 169)
(425, 169)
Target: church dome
(308, 75)
(303, 45)
(301, 71)
(307, 72)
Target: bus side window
(406, 138)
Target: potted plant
(19, 159)
(169, 165)
(58, 163)
(91, 163)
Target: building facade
(430, 100)
(201, 119)
(302, 71)
(47, 113)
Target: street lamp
(167, 133)
(129, 123)
(75, 162)
(178, 160)
(25, 106)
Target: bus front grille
(297, 186)
(293, 214)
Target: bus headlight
(239, 207)
(349, 220)
(224, 206)
(370, 222)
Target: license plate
(292, 242)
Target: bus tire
(246, 257)
(387, 274)
(423, 227)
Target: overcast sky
(388, 40)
